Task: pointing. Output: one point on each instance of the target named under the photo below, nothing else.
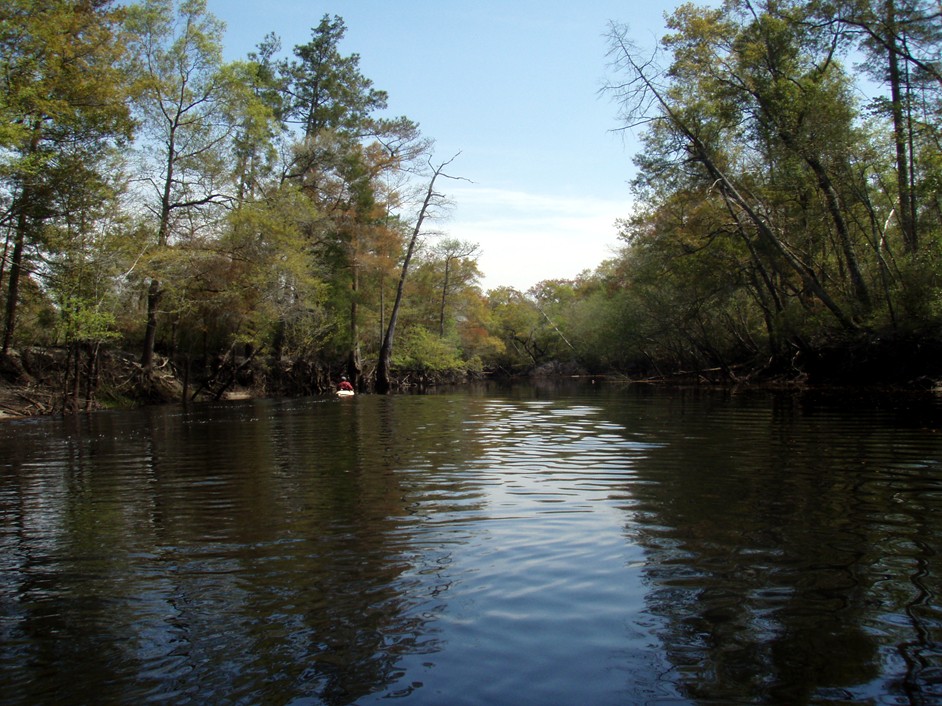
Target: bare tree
(182, 107)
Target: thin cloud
(528, 237)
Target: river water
(587, 545)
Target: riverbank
(13, 402)
(46, 381)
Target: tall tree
(700, 118)
(803, 103)
(183, 105)
(62, 105)
(342, 156)
(258, 114)
(431, 199)
(326, 89)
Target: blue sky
(514, 86)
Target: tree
(453, 253)
(258, 114)
(703, 132)
(63, 109)
(183, 106)
(803, 103)
(342, 158)
(431, 199)
(326, 89)
(767, 196)
(902, 41)
(86, 253)
(516, 322)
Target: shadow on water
(543, 544)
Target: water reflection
(793, 557)
(523, 546)
(206, 552)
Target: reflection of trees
(243, 551)
(272, 551)
(49, 539)
(790, 556)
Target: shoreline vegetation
(51, 381)
(177, 226)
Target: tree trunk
(4, 258)
(861, 291)
(907, 210)
(23, 223)
(441, 313)
(91, 375)
(155, 292)
(154, 295)
(13, 287)
(766, 234)
(383, 377)
(354, 366)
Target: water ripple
(611, 547)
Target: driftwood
(225, 375)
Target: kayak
(345, 393)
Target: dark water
(589, 546)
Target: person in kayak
(344, 384)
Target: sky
(512, 85)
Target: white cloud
(526, 237)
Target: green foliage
(64, 112)
(272, 206)
(85, 321)
(420, 350)
(513, 321)
(267, 204)
(768, 202)
(331, 93)
(920, 291)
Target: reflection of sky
(543, 590)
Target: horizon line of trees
(788, 210)
(158, 198)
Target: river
(523, 545)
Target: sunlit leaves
(766, 198)
(63, 112)
(265, 201)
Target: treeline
(207, 213)
(788, 218)
(215, 214)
